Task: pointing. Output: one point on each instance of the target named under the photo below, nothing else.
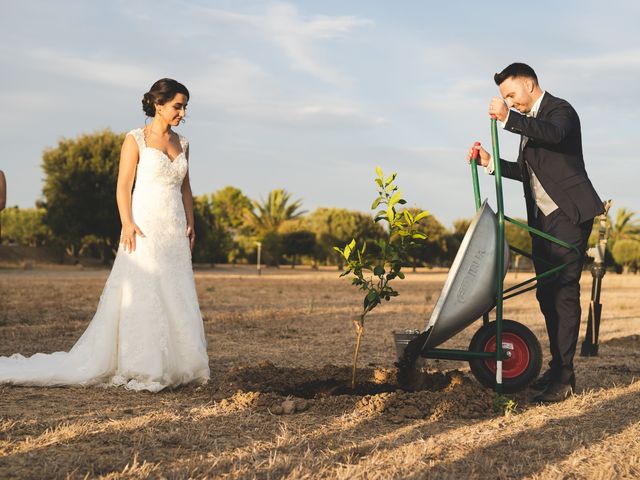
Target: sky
(311, 96)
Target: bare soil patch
(279, 406)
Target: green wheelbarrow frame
(502, 293)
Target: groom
(560, 201)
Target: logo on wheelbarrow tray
(470, 275)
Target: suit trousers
(559, 296)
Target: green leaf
(379, 173)
(402, 201)
(348, 249)
(400, 275)
(376, 202)
(419, 235)
(395, 198)
(378, 271)
(391, 214)
(421, 215)
(408, 216)
(390, 179)
(379, 182)
(372, 298)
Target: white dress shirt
(542, 199)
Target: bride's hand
(128, 236)
(191, 233)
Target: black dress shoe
(555, 392)
(542, 382)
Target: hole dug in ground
(282, 390)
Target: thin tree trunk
(355, 358)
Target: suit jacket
(554, 153)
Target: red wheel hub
(517, 359)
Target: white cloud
(624, 60)
(239, 87)
(337, 112)
(104, 71)
(234, 83)
(20, 106)
(30, 101)
(297, 37)
(458, 97)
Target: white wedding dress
(147, 333)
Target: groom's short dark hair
(515, 70)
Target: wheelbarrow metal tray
(471, 286)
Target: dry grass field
(275, 338)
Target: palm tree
(625, 226)
(266, 217)
(624, 238)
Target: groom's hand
(498, 108)
(480, 154)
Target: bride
(147, 332)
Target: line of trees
(78, 213)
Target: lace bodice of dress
(155, 168)
(157, 206)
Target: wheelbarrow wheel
(524, 356)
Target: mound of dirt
(283, 390)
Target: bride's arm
(126, 176)
(187, 201)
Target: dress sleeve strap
(184, 143)
(138, 136)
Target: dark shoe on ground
(542, 382)
(555, 392)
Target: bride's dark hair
(160, 93)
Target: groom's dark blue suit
(553, 151)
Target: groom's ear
(529, 84)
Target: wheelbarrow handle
(476, 152)
(474, 174)
(499, 249)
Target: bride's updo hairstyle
(160, 93)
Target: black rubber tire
(526, 359)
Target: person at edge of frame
(3, 196)
(560, 201)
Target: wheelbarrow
(503, 354)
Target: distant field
(270, 338)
